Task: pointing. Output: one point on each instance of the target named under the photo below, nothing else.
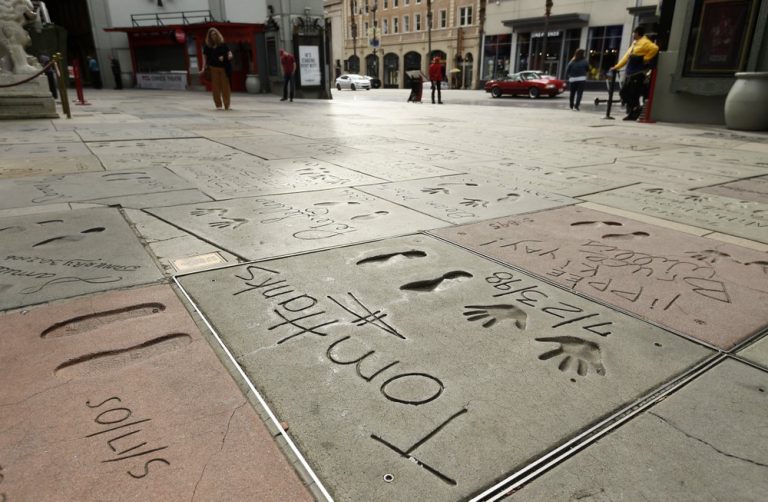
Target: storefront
(159, 54)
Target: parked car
(353, 82)
(534, 84)
(375, 82)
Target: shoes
(291, 100)
(629, 117)
(439, 102)
(577, 109)
(283, 99)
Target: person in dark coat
(116, 73)
(436, 79)
(576, 74)
(49, 74)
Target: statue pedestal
(31, 100)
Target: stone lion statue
(14, 15)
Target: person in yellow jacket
(638, 59)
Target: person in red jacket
(436, 79)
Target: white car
(353, 82)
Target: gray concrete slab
(754, 189)
(60, 255)
(159, 199)
(118, 396)
(387, 166)
(434, 154)
(412, 361)
(272, 225)
(706, 442)
(721, 214)
(139, 132)
(245, 176)
(569, 182)
(159, 153)
(722, 162)
(757, 352)
(655, 174)
(626, 144)
(712, 291)
(463, 198)
(36, 135)
(286, 147)
(32, 191)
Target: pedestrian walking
(49, 74)
(217, 58)
(638, 59)
(436, 79)
(93, 68)
(576, 73)
(116, 73)
(288, 62)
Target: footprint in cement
(370, 216)
(70, 238)
(509, 196)
(626, 237)
(12, 230)
(429, 285)
(337, 203)
(383, 258)
(596, 224)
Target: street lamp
(547, 12)
(429, 31)
(354, 31)
(374, 41)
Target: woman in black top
(217, 57)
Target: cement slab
(387, 167)
(706, 442)
(757, 352)
(720, 214)
(176, 250)
(17, 167)
(143, 408)
(754, 189)
(711, 291)
(140, 132)
(433, 154)
(655, 174)
(159, 199)
(18, 136)
(569, 182)
(722, 162)
(160, 152)
(286, 147)
(625, 144)
(273, 225)
(60, 255)
(43, 150)
(243, 177)
(32, 191)
(412, 361)
(461, 199)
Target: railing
(164, 18)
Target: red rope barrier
(30, 78)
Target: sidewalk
(366, 299)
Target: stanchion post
(59, 67)
(646, 117)
(610, 96)
(78, 83)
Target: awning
(645, 14)
(556, 23)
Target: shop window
(497, 51)
(603, 43)
(372, 66)
(391, 71)
(465, 16)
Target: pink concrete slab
(119, 397)
(709, 290)
(754, 189)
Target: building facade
(520, 37)
(388, 38)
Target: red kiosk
(163, 56)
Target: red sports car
(531, 83)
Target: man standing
(115, 65)
(288, 63)
(436, 79)
(93, 67)
(638, 59)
